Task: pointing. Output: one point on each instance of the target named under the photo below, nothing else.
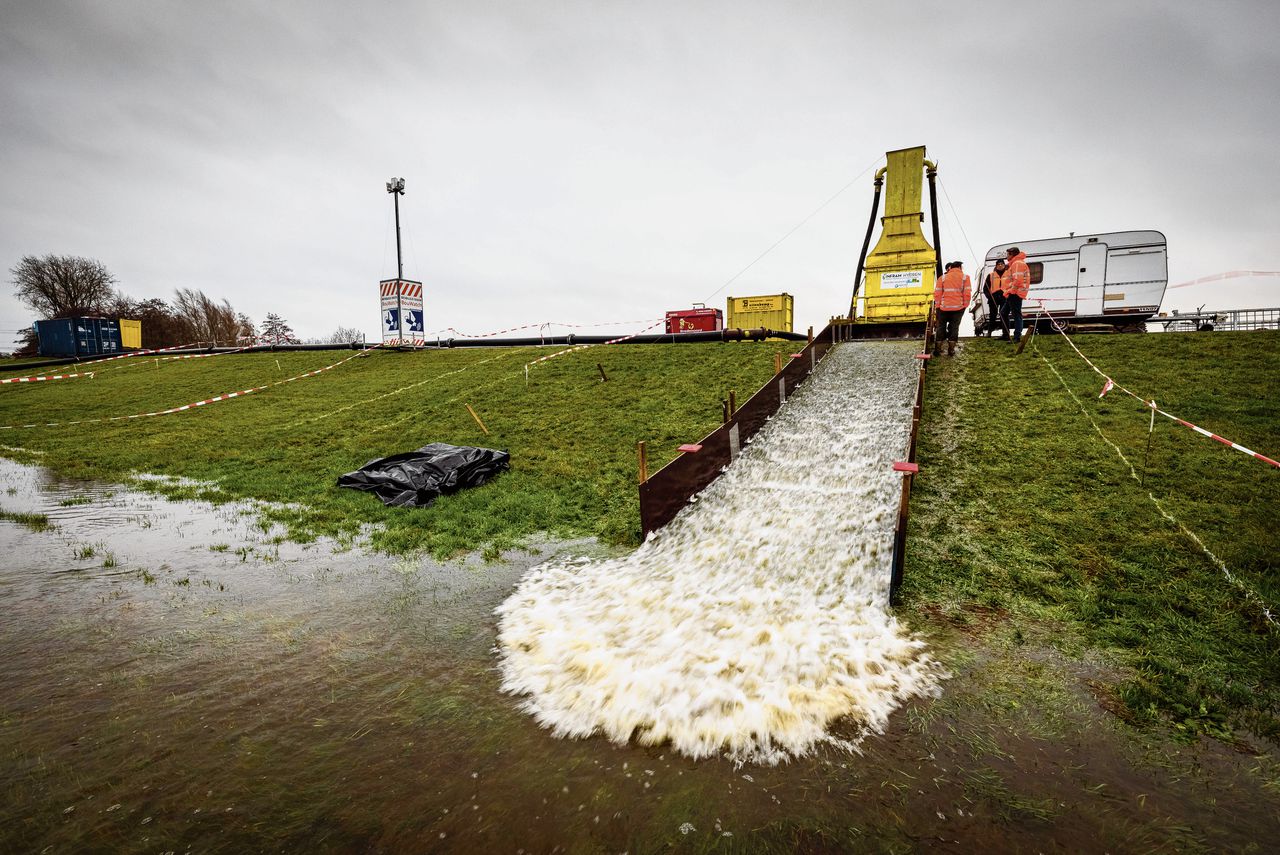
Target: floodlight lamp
(395, 185)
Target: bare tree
(207, 320)
(248, 332)
(276, 330)
(63, 286)
(161, 326)
(344, 335)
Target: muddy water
(174, 678)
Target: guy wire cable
(794, 229)
(952, 206)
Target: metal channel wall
(669, 489)
(909, 468)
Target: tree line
(64, 286)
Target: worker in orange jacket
(1016, 282)
(993, 290)
(950, 299)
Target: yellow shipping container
(131, 334)
(772, 311)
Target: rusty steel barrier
(909, 467)
(668, 490)
(663, 494)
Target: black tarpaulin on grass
(414, 479)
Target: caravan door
(1090, 278)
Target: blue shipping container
(79, 337)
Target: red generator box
(697, 319)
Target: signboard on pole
(402, 314)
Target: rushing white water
(759, 615)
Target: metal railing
(1225, 319)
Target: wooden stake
(477, 418)
(603, 377)
(777, 363)
(643, 456)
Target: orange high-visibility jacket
(1017, 279)
(952, 291)
(994, 285)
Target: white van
(1116, 278)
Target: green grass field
(1028, 528)
(571, 436)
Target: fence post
(642, 456)
(477, 418)
(908, 471)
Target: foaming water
(759, 616)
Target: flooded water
(175, 678)
(759, 615)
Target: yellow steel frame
(900, 271)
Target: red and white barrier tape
(1109, 383)
(585, 346)
(42, 377)
(1230, 274)
(39, 378)
(1249, 594)
(226, 396)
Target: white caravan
(1115, 278)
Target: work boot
(951, 348)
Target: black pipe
(648, 338)
(866, 243)
(932, 172)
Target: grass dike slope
(571, 435)
(1031, 538)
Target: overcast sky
(597, 162)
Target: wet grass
(35, 522)
(1024, 520)
(572, 437)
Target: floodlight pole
(396, 188)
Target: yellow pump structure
(902, 269)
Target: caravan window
(1037, 271)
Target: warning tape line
(226, 396)
(39, 378)
(1109, 383)
(585, 346)
(43, 377)
(1230, 274)
(1249, 593)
